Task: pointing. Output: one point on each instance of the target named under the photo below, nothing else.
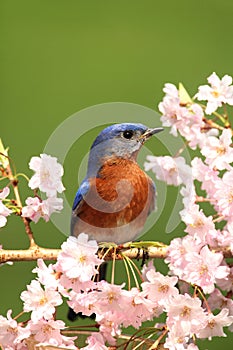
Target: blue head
(120, 141)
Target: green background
(58, 57)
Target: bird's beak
(148, 133)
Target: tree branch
(33, 253)
(36, 252)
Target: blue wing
(82, 191)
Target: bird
(116, 196)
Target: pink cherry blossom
(46, 274)
(78, 258)
(36, 209)
(104, 297)
(220, 91)
(177, 253)
(4, 192)
(33, 209)
(159, 288)
(221, 238)
(188, 192)
(48, 173)
(4, 211)
(52, 205)
(218, 301)
(109, 326)
(138, 309)
(224, 238)
(127, 307)
(204, 174)
(147, 267)
(174, 171)
(215, 238)
(11, 333)
(215, 324)
(223, 194)
(86, 302)
(185, 314)
(218, 151)
(40, 301)
(203, 268)
(197, 224)
(227, 282)
(196, 264)
(48, 332)
(175, 340)
(191, 128)
(74, 284)
(95, 342)
(110, 298)
(172, 112)
(188, 120)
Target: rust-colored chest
(121, 193)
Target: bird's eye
(128, 134)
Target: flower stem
(14, 182)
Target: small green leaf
(3, 155)
(184, 96)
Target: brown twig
(26, 222)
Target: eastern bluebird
(116, 196)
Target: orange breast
(118, 196)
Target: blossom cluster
(71, 277)
(75, 267)
(198, 257)
(47, 178)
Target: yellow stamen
(203, 269)
(211, 324)
(82, 258)
(185, 312)
(221, 150)
(164, 288)
(197, 223)
(215, 93)
(43, 300)
(111, 297)
(46, 328)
